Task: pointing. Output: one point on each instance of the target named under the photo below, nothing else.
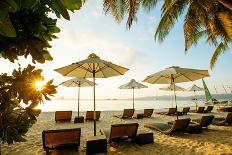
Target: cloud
(85, 43)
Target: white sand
(215, 140)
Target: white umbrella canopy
(133, 85)
(78, 82)
(171, 88)
(175, 74)
(92, 67)
(195, 88)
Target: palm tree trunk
(226, 3)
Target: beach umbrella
(78, 82)
(175, 74)
(132, 85)
(195, 88)
(92, 67)
(171, 88)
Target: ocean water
(112, 105)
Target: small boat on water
(222, 106)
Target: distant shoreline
(166, 97)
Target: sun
(40, 85)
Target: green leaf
(73, 4)
(29, 3)
(47, 55)
(61, 8)
(6, 27)
(54, 29)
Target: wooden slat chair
(196, 125)
(184, 111)
(171, 111)
(199, 110)
(63, 116)
(208, 109)
(127, 113)
(223, 121)
(61, 139)
(90, 115)
(148, 112)
(121, 132)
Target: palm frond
(114, 7)
(131, 7)
(193, 30)
(169, 17)
(149, 4)
(221, 48)
(226, 20)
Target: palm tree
(211, 19)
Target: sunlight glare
(40, 85)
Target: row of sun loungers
(70, 138)
(203, 110)
(129, 113)
(67, 115)
(173, 111)
(188, 126)
(182, 125)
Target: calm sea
(112, 105)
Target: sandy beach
(215, 140)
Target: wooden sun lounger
(171, 111)
(199, 110)
(127, 113)
(61, 139)
(63, 116)
(178, 126)
(223, 121)
(184, 111)
(121, 132)
(205, 121)
(195, 127)
(148, 112)
(208, 109)
(90, 115)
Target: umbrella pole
(78, 99)
(195, 99)
(94, 106)
(133, 99)
(174, 89)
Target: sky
(91, 31)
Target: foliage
(20, 87)
(202, 19)
(26, 28)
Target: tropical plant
(202, 19)
(15, 120)
(26, 27)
